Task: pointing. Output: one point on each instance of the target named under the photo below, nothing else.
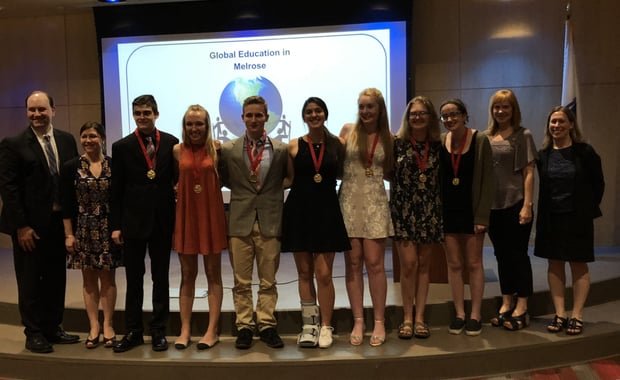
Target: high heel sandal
(92, 343)
(517, 323)
(500, 318)
(109, 342)
(377, 340)
(357, 340)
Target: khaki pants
(243, 252)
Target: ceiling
(25, 8)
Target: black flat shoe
(205, 346)
(517, 323)
(181, 345)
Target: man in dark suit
(255, 167)
(31, 214)
(142, 215)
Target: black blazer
(26, 185)
(137, 202)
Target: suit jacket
(138, 202)
(26, 185)
(248, 204)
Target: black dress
(458, 214)
(571, 190)
(312, 220)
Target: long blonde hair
(209, 144)
(360, 140)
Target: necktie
(51, 158)
(256, 149)
(150, 147)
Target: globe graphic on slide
(237, 90)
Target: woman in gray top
(514, 158)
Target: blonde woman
(363, 200)
(200, 226)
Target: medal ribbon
(457, 161)
(317, 163)
(372, 150)
(196, 166)
(254, 160)
(149, 162)
(421, 162)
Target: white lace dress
(363, 200)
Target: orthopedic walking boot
(309, 336)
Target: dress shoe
(159, 342)
(38, 345)
(129, 341)
(61, 337)
(244, 339)
(271, 337)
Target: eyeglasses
(451, 115)
(418, 113)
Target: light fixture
(111, 1)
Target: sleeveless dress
(363, 200)
(415, 205)
(312, 220)
(90, 197)
(458, 214)
(200, 224)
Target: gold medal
(422, 177)
(197, 188)
(318, 178)
(253, 177)
(151, 174)
(455, 181)
(369, 172)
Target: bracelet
(68, 236)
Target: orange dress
(200, 225)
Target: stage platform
(442, 356)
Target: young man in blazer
(142, 216)
(254, 167)
(29, 165)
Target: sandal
(500, 318)
(558, 324)
(377, 340)
(92, 343)
(405, 330)
(109, 342)
(517, 323)
(575, 326)
(354, 339)
(421, 330)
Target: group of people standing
(96, 213)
